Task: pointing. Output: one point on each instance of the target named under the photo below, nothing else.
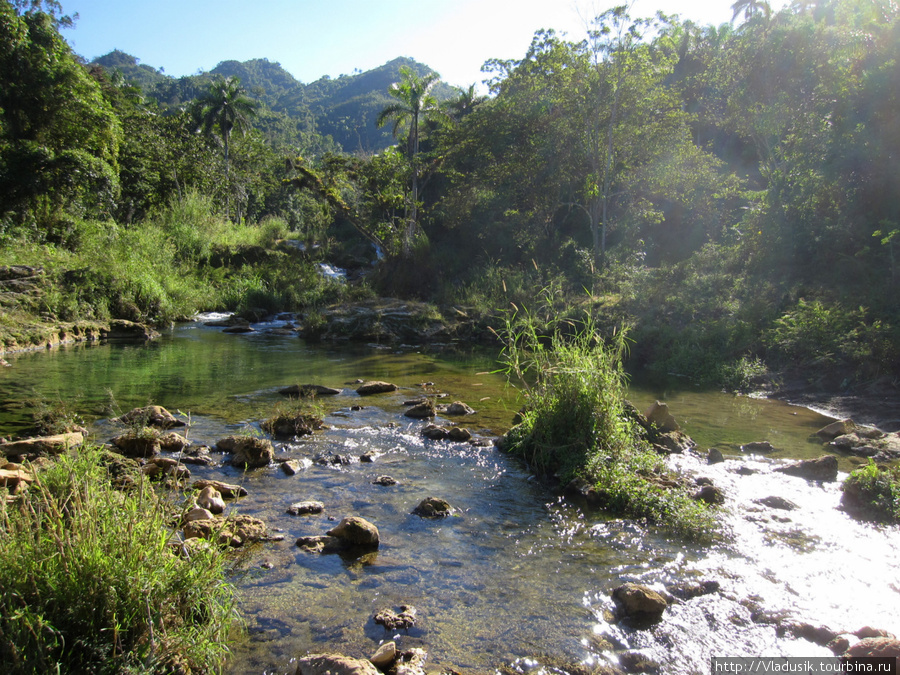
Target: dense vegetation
(92, 581)
(728, 192)
(576, 424)
(873, 491)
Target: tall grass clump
(92, 584)
(577, 424)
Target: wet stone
(305, 508)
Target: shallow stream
(518, 576)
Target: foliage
(828, 335)
(92, 582)
(877, 489)
(576, 423)
(698, 181)
(59, 138)
(54, 416)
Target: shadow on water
(516, 572)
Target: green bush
(576, 424)
(92, 583)
(816, 333)
(874, 491)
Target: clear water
(517, 575)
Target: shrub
(92, 583)
(576, 425)
(874, 492)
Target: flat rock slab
(45, 445)
(334, 664)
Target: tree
(626, 111)
(224, 108)
(59, 138)
(751, 8)
(414, 104)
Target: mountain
(131, 69)
(344, 108)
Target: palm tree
(751, 8)
(223, 109)
(465, 103)
(414, 103)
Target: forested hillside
(729, 192)
(343, 109)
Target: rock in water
(404, 620)
(459, 408)
(151, 416)
(356, 531)
(308, 390)
(385, 655)
(433, 507)
(823, 469)
(659, 416)
(760, 447)
(639, 602)
(211, 499)
(375, 387)
(248, 451)
(334, 664)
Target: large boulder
(385, 655)
(869, 443)
(334, 664)
(15, 480)
(357, 532)
(876, 647)
(305, 508)
(658, 415)
(672, 442)
(247, 451)
(45, 445)
(831, 431)
(758, 447)
(823, 469)
(143, 442)
(776, 502)
(392, 620)
(234, 531)
(639, 602)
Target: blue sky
(312, 38)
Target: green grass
(92, 584)
(180, 260)
(575, 424)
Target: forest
(728, 193)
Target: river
(517, 577)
